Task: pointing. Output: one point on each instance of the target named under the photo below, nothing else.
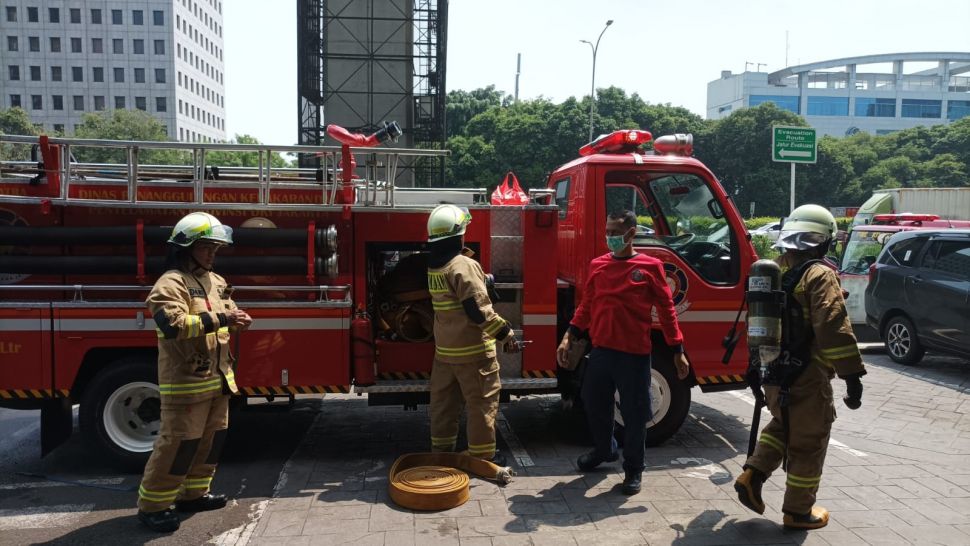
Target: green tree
(16, 121)
(244, 159)
(131, 125)
(462, 106)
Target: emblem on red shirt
(637, 275)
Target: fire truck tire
(120, 412)
(669, 402)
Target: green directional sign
(793, 144)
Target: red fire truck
(334, 276)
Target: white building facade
(844, 96)
(62, 58)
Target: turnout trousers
(186, 452)
(476, 386)
(610, 371)
(811, 412)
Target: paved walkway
(898, 472)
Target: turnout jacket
(194, 363)
(833, 348)
(465, 325)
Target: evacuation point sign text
(793, 144)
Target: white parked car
(770, 231)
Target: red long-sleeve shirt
(617, 302)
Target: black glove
(853, 391)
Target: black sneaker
(165, 521)
(499, 460)
(589, 461)
(202, 504)
(631, 483)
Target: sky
(665, 51)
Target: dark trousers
(607, 372)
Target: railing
(380, 167)
(324, 294)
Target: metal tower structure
(363, 62)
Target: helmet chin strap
(197, 264)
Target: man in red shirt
(621, 290)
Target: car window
(950, 257)
(861, 249)
(562, 196)
(905, 252)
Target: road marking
(832, 442)
(36, 485)
(512, 441)
(43, 517)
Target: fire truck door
(25, 352)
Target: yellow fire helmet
(200, 226)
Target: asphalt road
(101, 511)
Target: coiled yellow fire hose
(438, 481)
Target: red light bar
(678, 144)
(617, 142)
(905, 217)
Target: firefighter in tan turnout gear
(466, 328)
(797, 385)
(193, 314)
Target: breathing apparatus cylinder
(765, 310)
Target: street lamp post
(592, 85)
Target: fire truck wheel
(669, 402)
(120, 412)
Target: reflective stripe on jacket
(189, 310)
(466, 326)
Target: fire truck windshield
(677, 211)
(861, 250)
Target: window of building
(97, 45)
(181, 133)
(78, 102)
(159, 75)
(58, 102)
(54, 14)
(139, 75)
(118, 46)
(14, 72)
(77, 73)
(15, 101)
(137, 17)
(33, 15)
(13, 44)
(116, 17)
(75, 45)
(138, 46)
(11, 14)
(55, 44)
(875, 108)
(96, 16)
(922, 108)
(161, 105)
(35, 73)
(141, 103)
(76, 16)
(33, 43)
(97, 74)
(781, 101)
(36, 102)
(828, 106)
(956, 109)
(119, 103)
(119, 75)
(159, 47)
(158, 18)
(59, 128)
(99, 102)
(56, 74)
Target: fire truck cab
(334, 275)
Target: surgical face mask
(616, 243)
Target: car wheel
(902, 344)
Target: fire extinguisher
(363, 349)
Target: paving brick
(490, 526)
(285, 523)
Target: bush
(758, 221)
(764, 247)
(844, 222)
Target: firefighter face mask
(617, 243)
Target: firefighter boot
(816, 519)
(631, 483)
(164, 521)
(589, 461)
(748, 485)
(202, 504)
